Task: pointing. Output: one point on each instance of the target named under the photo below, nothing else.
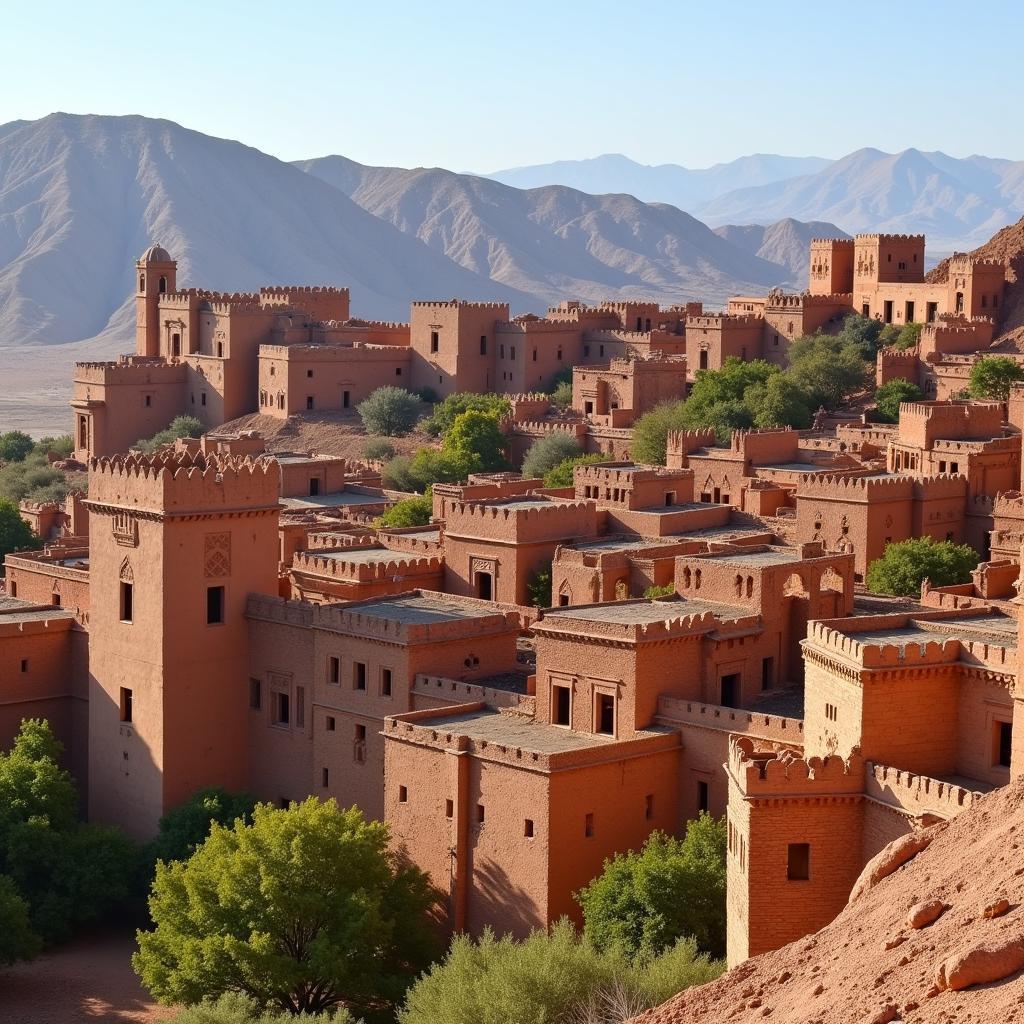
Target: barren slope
(845, 975)
(786, 242)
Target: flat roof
(687, 506)
(758, 558)
(417, 609)
(14, 610)
(334, 500)
(623, 544)
(365, 556)
(799, 467)
(527, 502)
(517, 731)
(630, 613)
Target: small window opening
(255, 694)
(798, 868)
(403, 795)
(449, 809)
(333, 670)
(127, 602)
(359, 675)
(528, 828)
(385, 682)
(126, 704)
(562, 704)
(588, 826)
(214, 605)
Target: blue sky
(488, 85)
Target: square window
(403, 795)
(588, 826)
(528, 828)
(255, 694)
(309, 373)
(385, 682)
(360, 733)
(359, 675)
(125, 704)
(480, 813)
(798, 868)
(214, 605)
(334, 670)
(449, 809)
(331, 723)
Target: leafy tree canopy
(538, 586)
(992, 377)
(390, 411)
(304, 909)
(15, 533)
(475, 443)
(643, 902)
(443, 417)
(547, 452)
(180, 426)
(15, 445)
(905, 565)
(889, 396)
(562, 474)
(186, 826)
(416, 511)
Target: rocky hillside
(940, 940)
(786, 242)
(555, 242)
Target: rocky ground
(881, 961)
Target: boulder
(981, 963)
(923, 914)
(885, 862)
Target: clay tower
(155, 275)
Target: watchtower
(177, 543)
(831, 270)
(156, 274)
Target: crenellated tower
(156, 274)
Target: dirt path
(90, 979)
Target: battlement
(497, 307)
(673, 710)
(616, 473)
(184, 483)
(538, 326)
(334, 565)
(129, 370)
(856, 488)
(838, 243)
(448, 690)
(768, 774)
(965, 262)
(719, 321)
(889, 238)
(916, 794)
(872, 655)
(288, 293)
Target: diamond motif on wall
(217, 555)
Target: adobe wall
(625, 485)
(458, 364)
(831, 266)
(710, 340)
(38, 577)
(683, 443)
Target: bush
(547, 452)
(562, 474)
(644, 902)
(185, 827)
(410, 512)
(827, 370)
(15, 445)
(665, 590)
(17, 939)
(650, 432)
(475, 444)
(992, 377)
(376, 448)
(889, 396)
(66, 873)
(60, 447)
(538, 587)
(561, 397)
(864, 334)
(427, 395)
(390, 411)
(778, 402)
(15, 533)
(180, 426)
(304, 909)
(905, 565)
(442, 419)
(234, 1008)
(555, 978)
(33, 477)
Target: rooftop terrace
(417, 609)
(631, 613)
(491, 726)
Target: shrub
(428, 395)
(475, 444)
(562, 474)
(992, 377)
(410, 512)
(905, 565)
(561, 397)
(390, 411)
(552, 977)
(538, 587)
(778, 402)
(234, 1008)
(185, 827)
(443, 417)
(664, 590)
(33, 477)
(15, 445)
(644, 902)
(889, 396)
(547, 452)
(650, 432)
(377, 448)
(15, 533)
(304, 909)
(17, 939)
(180, 426)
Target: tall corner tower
(177, 543)
(155, 275)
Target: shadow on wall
(494, 897)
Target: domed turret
(156, 275)
(156, 254)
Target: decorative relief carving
(125, 574)
(126, 529)
(217, 555)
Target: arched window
(696, 580)
(163, 285)
(142, 282)
(686, 578)
(750, 586)
(739, 586)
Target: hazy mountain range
(958, 203)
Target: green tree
(909, 336)
(547, 452)
(475, 444)
(33, 478)
(443, 417)
(562, 474)
(865, 334)
(889, 396)
(416, 511)
(992, 377)
(390, 411)
(15, 445)
(643, 902)
(651, 430)
(17, 939)
(561, 397)
(180, 426)
(60, 447)
(778, 402)
(67, 873)
(304, 909)
(538, 587)
(905, 565)
(827, 370)
(15, 533)
(185, 827)
(548, 978)
(378, 448)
